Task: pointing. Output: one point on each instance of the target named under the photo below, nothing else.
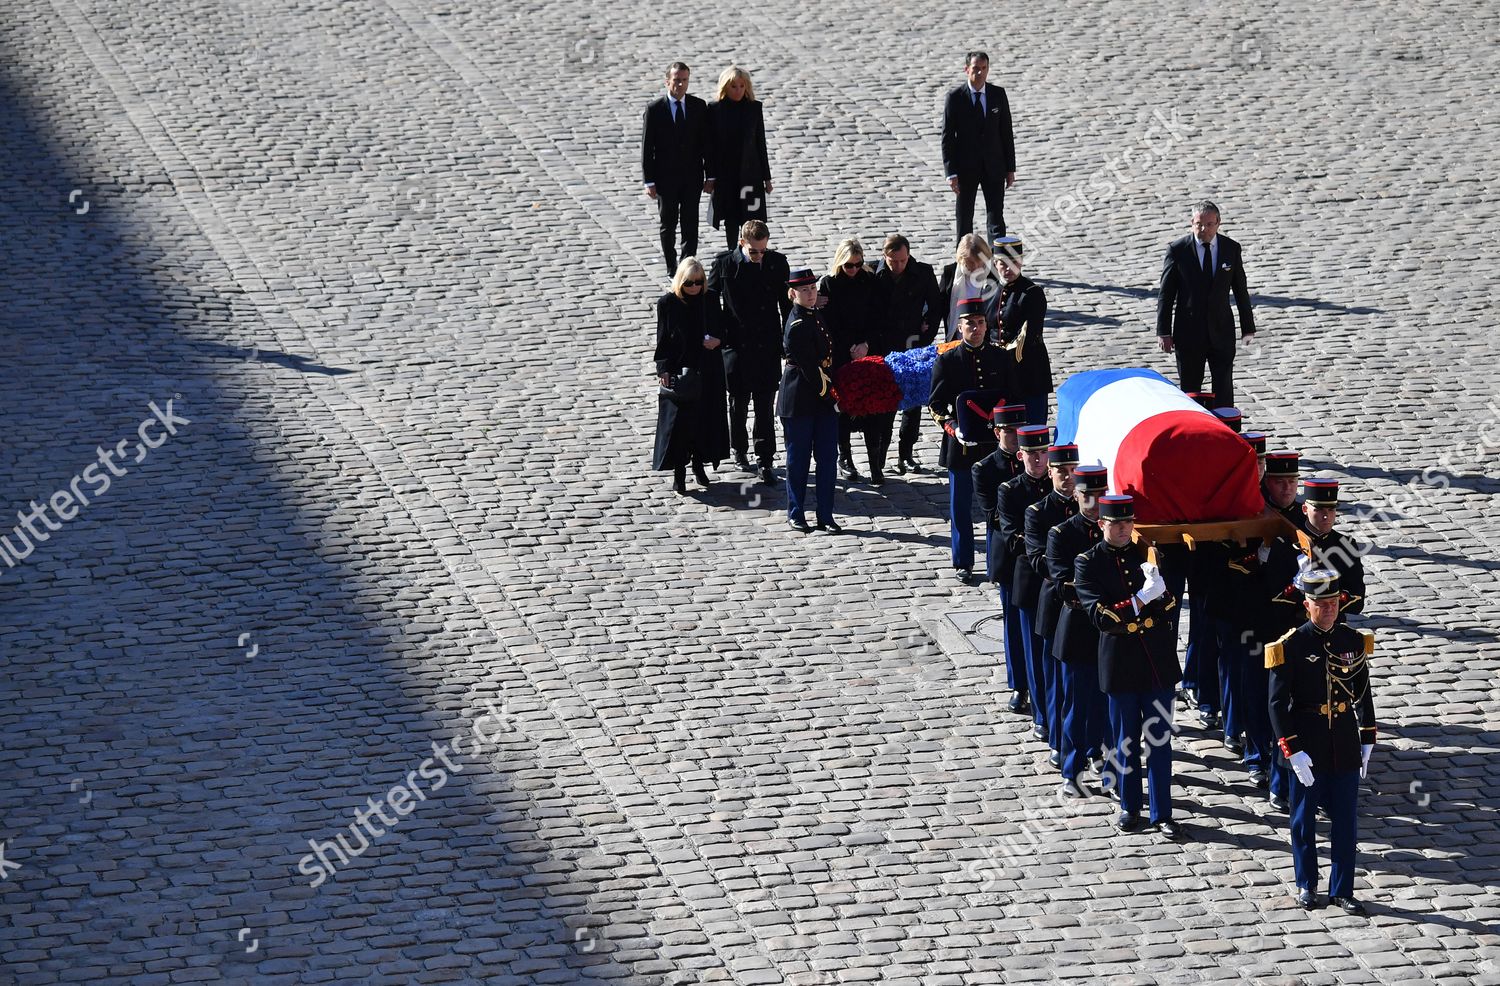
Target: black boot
(700, 475)
(679, 480)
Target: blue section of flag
(1076, 391)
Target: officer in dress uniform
(805, 404)
(1331, 549)
(1278, 485)
(1085, 715)
(988, 474)
(1324, 719)
(1127, 599)
(1016, 494)
(1051, 510)
(974, 364)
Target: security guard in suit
(1051, 510)
(1127, 599)
(1015, 496)
(988, 474)
(974, 364)
(1324, 719)
(1085, 714)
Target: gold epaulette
(1276, 651)
(1368, 636)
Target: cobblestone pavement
(390, 262)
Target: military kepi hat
(974, 411)
(1205, 398)
(1062, 455)
(1091, 479)
(1321, 492)
(1008, 415)
(1035, 438)
(1256, 440)
(1321, 583)
(1282, 463)
(971, 306)
(1230, 416)
(801, 278)
(1008, 244)
(1118, 507)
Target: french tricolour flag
(1180, 462)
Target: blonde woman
(691, 423)
(738, 159)
(971, 275)
(856, 321)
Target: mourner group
(1092, 613)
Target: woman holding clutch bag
(691, 421)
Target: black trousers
(877, 428)
(1190, 363)
(765, 424)
(676, 207)
(911, 427)
(994, 203)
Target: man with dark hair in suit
(674, 159)
(979, 149)
(912, 309)
(1193, 317)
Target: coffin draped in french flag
(1182, 464)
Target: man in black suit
(751, 281)
(674, 159)
(1193, 317)
(912, 309)
(979, 149)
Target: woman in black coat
(739, 164)
(856, 319)
(687, 339)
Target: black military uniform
(1022, 311)
(1138, 668)
(1282, 464)
(1016, 494)
(1334, 551)
(963, 368)
(988, 474)
(1041, 517)
(1075, 644)
(1324, 720)
(755, 311)
(805, 403)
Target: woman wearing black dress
(687, 344)
(854, 315)
(740, 166)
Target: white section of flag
(1115, 410)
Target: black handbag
(684, 386)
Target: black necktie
(677, 113)
(1208, 262)
(978, 106)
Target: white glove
(1154, 588)
(1365, 749)
(1301, 765)
(1304, 565)
(1263, 553)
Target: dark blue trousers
(1200, 667)
(1138, 717)
(1233, 646)
(1036, 667)
(1085, 716)
(1054, 672)
(1337, 794)
(961, 517)
(1261, 750)
(808, 437)
(1016, 677)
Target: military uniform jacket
(1041, 517)
(1341, 553)
(1284, 610)
(959, 369)
(988, 474)
(1320, 694)
(1023, 307)
(1016, 494)
(1076, 640)
(756, 306)
(1137, 651)
(806, 389)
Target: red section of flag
(1186, 467)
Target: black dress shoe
(901, 465)
(1233, 745)
(1260, 779)
(742, 462)
(1128, 822)
(877, 478)
(767, 476)
(830, 527)
(1055, 760)
(1349, 906)
(700, 475)
(1307, 900)
(1185, 697)
(847, 470)
(1210, 719)
(1071, 789)
(1279, 801)
(798, 525)
(1039, 732)
(963, 575)
(1017, 702)
(679, 481)
(1171, 830)
(913, 464)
